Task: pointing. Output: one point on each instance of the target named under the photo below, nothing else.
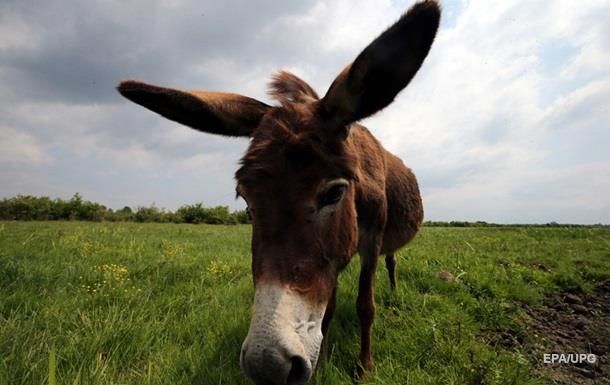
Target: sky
(507, 121)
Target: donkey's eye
(332, 195)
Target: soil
(573, 322)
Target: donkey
(319, 188)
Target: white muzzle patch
(283, 343)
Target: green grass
(100, 303)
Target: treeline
(30, 208)
(487, 224)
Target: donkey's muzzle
(284, 339)
(275, 365)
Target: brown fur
(298, 239)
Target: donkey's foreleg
(366, 305)
(390, 263)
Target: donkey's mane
(294, 135)
(285, 87)
(297, 146)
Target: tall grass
(126, 303)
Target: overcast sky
(507, 121)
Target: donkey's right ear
(214, 112)
(383, 68)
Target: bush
(220, 215)
(192, 213)
(197, 213)
(241, 216)
(149, 214)
(123, 215)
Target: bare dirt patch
(573, 323)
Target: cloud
(76, 51)
(18, 147)
(497, 106)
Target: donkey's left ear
(384, 68)
(214, 112)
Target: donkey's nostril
(299, 371)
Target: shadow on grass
(222, 367)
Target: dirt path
(574, 323)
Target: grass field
(100, 303)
